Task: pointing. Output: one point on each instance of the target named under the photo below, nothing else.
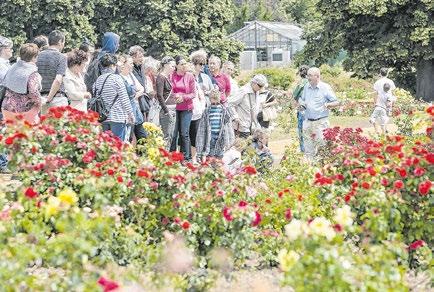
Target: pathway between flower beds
(277, 146)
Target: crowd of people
(195, 100)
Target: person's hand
(179, 99)
(87, 95)
(131, 120)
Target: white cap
(260, 79)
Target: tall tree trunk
(425, 80)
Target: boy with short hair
(383, 108)
(215, 133)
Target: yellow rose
(344, 216)
(52, 207)
(68, 197)
(287, 259)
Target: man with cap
(6, 52)
(243, 106)
(317, 99)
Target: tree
(22, 20)
(170, 27)
(378, 33)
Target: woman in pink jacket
(183, 90)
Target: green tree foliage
(24, 19)
(378, 33)
(160, 26)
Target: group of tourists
(195, 100)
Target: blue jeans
(118, 129)
(300, 119)
(182, 130)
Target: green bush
(278, 78)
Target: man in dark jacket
(110, 44)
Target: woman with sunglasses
(183, 90)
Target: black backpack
(94, 70)
(96, 102)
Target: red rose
(168, 163)
(30, 193)
(280, 194)
(120, 179)
(337, 227)
(227, 214)
(257, 219)
(366, 185)
(347, 198)
(430, 110)
(9, 140)
(249, 169)
(268, 200)
(176, 156)
(429, 157)
(415, 245)
(143, 173)
(242, 204)
(402, 172)
(89, 156)
(107, 285)
(419, 171)
(340, 177)
(185, 225)
(288, 214)
(398, 184)
(425, 187)
(110, 172)
(384, 182)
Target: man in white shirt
(379, 84)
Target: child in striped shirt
(214, 133)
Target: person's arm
(228, 88)
(33, 89)
(140, 90)
(192, 86)
(332, 100)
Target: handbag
(144, 103)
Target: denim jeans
(118, 129)
(182, 130)
(300, 118)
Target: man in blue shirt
(317, 99)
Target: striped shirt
(114, 86)
(215, 118)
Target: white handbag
(269, 113)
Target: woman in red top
(184, 90)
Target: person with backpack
(296, 94)
(110, 45)
(110, 92)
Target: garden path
(280, 141)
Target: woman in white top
(74, 81)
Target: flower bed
(91, 212)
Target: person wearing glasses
(184, 90)
(222, 80)
(244, 106)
